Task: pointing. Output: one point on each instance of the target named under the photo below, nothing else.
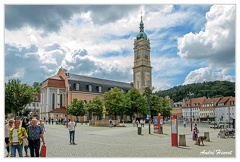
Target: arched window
(61, 100)
(53, 101)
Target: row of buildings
(205, 109)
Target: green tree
(113, 101)
(17, 96)
(76, 108)
(135, 103)
(37, 87)
(165, 107)
(155, 105)
(95, 107)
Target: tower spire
(141, 24)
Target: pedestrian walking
(8, 126)
(52, 120)
(110, 122)
(25, 124)
(16, 136)
(195, 133)
(184, 124)
(71, 127)
(35, 132)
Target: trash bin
(139, 129)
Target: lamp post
(190, 94)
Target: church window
(90, 88)
(61, 100)
(77, 86)
(138, 53)
(99, 89)
(53, 101)
(146, 54)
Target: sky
(189, 43)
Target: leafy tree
(113, 101)
(135, 103)
(37, 86)
(155, 105)
(17, 96)
(76, 108)
(165, 107)
(95, 106)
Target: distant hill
(209, 89)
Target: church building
(58, 91)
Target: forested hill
(208, 89)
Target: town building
(58, 91)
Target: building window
(61, 100)
(53, 101)
(99, 89)
(146, 54)
(77, 86)
(90, 88)
(138, 53)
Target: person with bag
(16, 136)
(35, 132)
(25, 124)
(195, 133)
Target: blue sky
(189, 43)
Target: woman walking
(25, 124)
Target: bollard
(182, 140)
(139, 129)
(207, 135)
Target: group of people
(16, 134)
(138, 121)
(57, 120)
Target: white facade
(51, 98)
(224, 113)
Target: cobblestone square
(125, 142)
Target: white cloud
(206, 74)
(216, 44)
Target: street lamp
(190, 94)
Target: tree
(113, 101)
(17, 96)
(76, 108)
(95, 107)
(37, 87)
(165, 107)
(135, 103)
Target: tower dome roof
(141, 34)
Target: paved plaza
(125, 142)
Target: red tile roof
(55, 81)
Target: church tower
(142, 70)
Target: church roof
(99, 81)
(54, 81)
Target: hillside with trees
(209, 89)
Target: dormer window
(90, 88)
(99, 88)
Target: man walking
(35, 132)
(71, 128)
